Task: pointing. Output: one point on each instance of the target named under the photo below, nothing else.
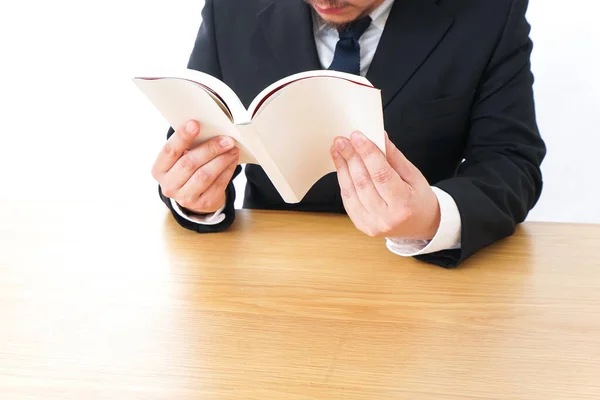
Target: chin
(341, 18)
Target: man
(463, 148)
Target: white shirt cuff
(210, 219)
(446, 238)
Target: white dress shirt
(326, 38)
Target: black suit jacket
(457, 94)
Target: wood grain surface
(113, 302)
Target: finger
(386, 180)
(192, 160)
(363, 184)
(204, 177)
(174, 148)
(350, 198)
(398, 161)
(214, 196)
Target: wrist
(206, 211)
(205, 219)
(202, 213)
(191, 212)
(432, 219)
(434, 225)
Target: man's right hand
(196, 178)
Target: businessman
(462, 166)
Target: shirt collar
(379, 16)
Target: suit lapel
(285, 37)
(413, 30)
(284, 41)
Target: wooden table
(110, 302)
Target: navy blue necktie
(347, 50)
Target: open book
(288, 129)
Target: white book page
(298, 127)
(180, 100)
(229, 97)
(270, 92)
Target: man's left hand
(384, 196)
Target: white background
(73, 124)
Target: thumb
(405, 169)
(188, 132)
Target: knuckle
(168, 150)
(369, 232)
(183, 202)
(214, 148)
(408, 174)
(202, 176)
(382, 175)
(366, 152)
(234, 153)
(403, 215)
(384, 228)
(204, 204)
(395, 153)
(222, 181)
(187, 202)
(187, 162)
(168, 192)
(346, 194)
(361, 182)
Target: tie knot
(355, 29)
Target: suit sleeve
(500, 180)
(204, 58)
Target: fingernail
(190, 127)
(226, 142)
(357, 138)
(340, 144)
